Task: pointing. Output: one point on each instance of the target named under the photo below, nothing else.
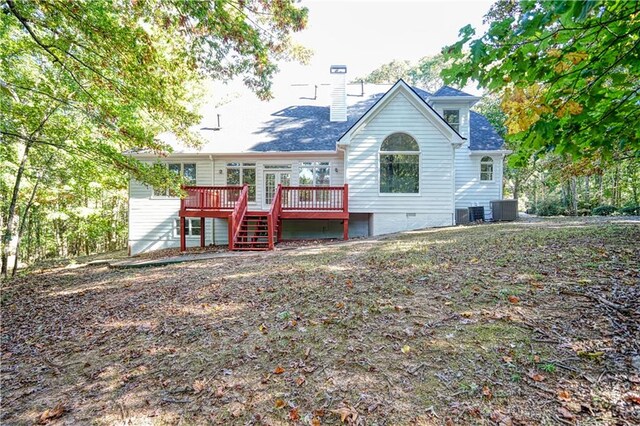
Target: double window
(486, 169)
(314, 173)
(452, 116)
(191, 227)
(399, 165)
(186, 170)
(239, 174)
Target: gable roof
(402, 84)
(450, 91)
(297, 120)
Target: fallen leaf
(199, 386)
(219, 392)
(514, 299)
(293, 414)
(315, 421)
(349, 283)
(632, 397)
(406, 349)
(279, 403)
(263, 329)
(536, 377)
(347, 414)
(486, 392)
(466, 314)
(307, 353)
(565, 413)
(52, 414)
(501, 419)
(278, 370)
(300, 380)
(507, 359)
(564, 395)
(536, 358)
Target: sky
(366, 34)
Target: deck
(261, 230)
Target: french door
(271, 181)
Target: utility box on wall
(504, 210)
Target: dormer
(454, 105)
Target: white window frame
(417, 153)
(314, 166)
(241, 167)
(188, 227)
(486, 160)
(167, 194)
(456, 126)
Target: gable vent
(338, 108)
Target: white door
(271, 181)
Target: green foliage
(568, 72)
(425, 74)
(630, 210)
(551, 206)
(604, 210)
(84, 83)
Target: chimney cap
(338, 69)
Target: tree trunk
(23, 220)
(8, 232)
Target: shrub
(548, 207)
(630, 210)
(604, 210)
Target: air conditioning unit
(504, 210)
(476, 214)
(462, 216)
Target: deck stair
(254, 232)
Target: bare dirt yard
(508, 324)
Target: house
(329, 160)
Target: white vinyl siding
(470, 190)
(436, 165)
(152, 220)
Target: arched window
(486, 168)
(399, 165)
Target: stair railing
(239, 211)
(274, 215)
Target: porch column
(183, 239)
(202, 234)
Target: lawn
(524, 323)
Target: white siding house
(406, 166)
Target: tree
(568, 73)
(96, 79)
(425, 74)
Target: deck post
(345, 208)
(183, 238)
(202, 232)
(230, 225)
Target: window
(399, 165)
(314, 173)
(191, 227)
(188, 173)
(452, 116)
(239, 174)
(486, 169)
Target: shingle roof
(449, 91)
(483, 135)
(298, 120)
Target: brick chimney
(338, 109)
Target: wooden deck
(261, 230)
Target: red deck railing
(210, 197)
(315, 198)
(235, 220)
(274, 214)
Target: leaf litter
(480, 325)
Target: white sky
(366, 34)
